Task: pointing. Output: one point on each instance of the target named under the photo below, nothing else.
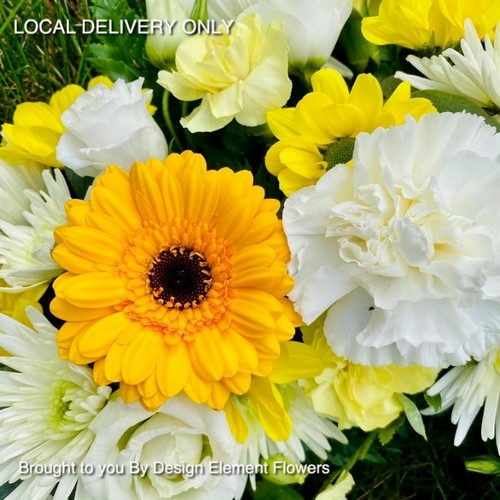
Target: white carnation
(402, 249)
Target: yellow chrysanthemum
(318, 133)
(426, 24)
(357, 395)
(176, 281)
(37, 127)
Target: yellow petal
(97, 339)
(330, 82)
(250, 320)
(282, 122)
(312, 122)
(296, 360)
(173, 369)
(218, 397)
(197, 389)
(93, 290)
(146, 192)
(37, 114)
(64, 98)
(236, 422)
(141, 358)
(90, 243)
(205, 355)
(272, 414)
(68, 312)
(366, 94)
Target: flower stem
(359, 454)
(168, 119)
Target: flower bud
(161, 46)
(282, 470)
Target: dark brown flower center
(179, 277)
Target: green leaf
(484, 465)
(455, 104)
(433, 401)
(121, 56)
(78, 184)
(114, 69)
(386, 434)
(412, 414)
(266, 491)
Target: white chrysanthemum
(14, 180)
(47, 405)
(25, 249)
(110, 126)
(473, 74)
(468, 389)
(180, 433)
(308, 427)
(402, 249)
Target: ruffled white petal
(399, 250)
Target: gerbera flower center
(179, 277)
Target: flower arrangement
(248, 247)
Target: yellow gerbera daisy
(37, 127)
(319, 132)
(426, 24)
(176, 281)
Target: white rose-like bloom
(473, 74)
(312, 27)
(179, 433)
(110, 127)
(239, 75)
(468, 389)
(402, 249)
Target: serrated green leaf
(484, 465)
(114, 69)
(433, 401)
(386, 434)
(412, 414)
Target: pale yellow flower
(239, 75)
(357, 395)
